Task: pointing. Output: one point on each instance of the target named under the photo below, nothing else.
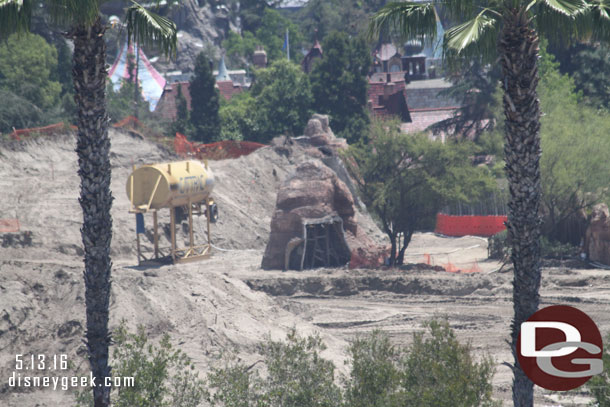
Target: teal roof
(223, 74)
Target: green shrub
(438, 371)
(374, 376)
(557, 250)
(295, 376)
(164, 376)
(599, 385)
(435, 371)
(498, 246)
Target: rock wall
(319, 188)
(597, 239)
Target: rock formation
(314, 224)
(597, 239)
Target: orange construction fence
(469, 225)
(45, 130)
(9, 225)
(214, 151)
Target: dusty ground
(227, 303)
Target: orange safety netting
(214, 151)
(469, 225)
(452, 268)
(45, 130)
(9, 225)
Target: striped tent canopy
(151, 81)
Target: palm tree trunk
(518, 46)
(93, 147)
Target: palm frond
(74, 12)
(474, 38)
(14, 16)
(562, 21)
(566, 7)
(597, 18)
(148, 28)
(459, 10)
(409, 20)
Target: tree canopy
(27, 65)
(406, 179)
(204, 102)
(339, 84)
(574, 165)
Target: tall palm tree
(507, 30)
(85, 28)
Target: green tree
(204, 102)
(592, 75)
(339, 84)
(239, 48)
(27, 63)
(438, 371)
(326, 16)
(17, 112)
(508, 31)
(296, 376)
(283, 99)
(240, 119)
(182, 122)
(86, 29)
(599, 385)
(574, 170)
(272, 32)
(406, 179)
(375, 375)
(163, 376)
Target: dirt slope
(228, 303)
(41, 286)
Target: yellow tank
(168, 185)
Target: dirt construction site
(227, 304)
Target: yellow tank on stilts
(181, 184)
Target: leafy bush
(557, 250)
(599, 385)
(438, 371)
(164, 376)
(498, 246)
(296, 376)
(435, 371)
(375, 376)
(27, 66)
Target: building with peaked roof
(314, 53)
(166, 107)
(227, 87)
(224, 83)
(387, 98)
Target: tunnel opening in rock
(323, 245)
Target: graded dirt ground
(227, 304)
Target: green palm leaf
(148, 28)
(561, 21)
(74, 12)
(408, 19)
(598, 18)
(14, 16)
(476, 38)
(472, 32)
(566, 7)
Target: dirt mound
(41, 287)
